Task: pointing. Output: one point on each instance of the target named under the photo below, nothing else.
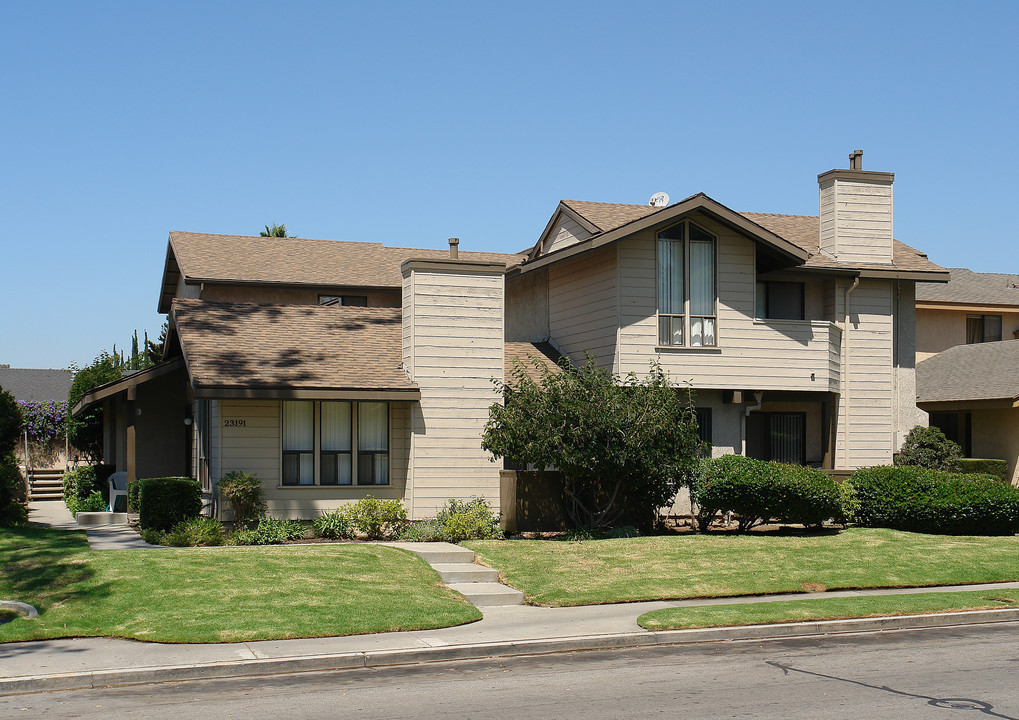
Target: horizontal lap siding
(869, 386)
(749, 355)
(582, 306)
(567, 232)
(458, 347)
(256, 448)
(862, 225)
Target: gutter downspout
(845, 372)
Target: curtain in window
(373, 443)
(336, 441)
(298, 442)
(787, 438)
(670, 272)
(992, 328)
(702, 290)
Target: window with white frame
(687, 297)
(325, 430)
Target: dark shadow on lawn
(43, 566)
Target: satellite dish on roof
(659, 199)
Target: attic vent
(659, 199)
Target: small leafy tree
(12, 510)
(274, 231)
(85, 431)
(246, 496)
(928, 447)
(154, 350)
(12, 422)
(624, 446)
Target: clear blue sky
(410, 123)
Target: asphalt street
(966, 672)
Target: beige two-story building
(335, 369)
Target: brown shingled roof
(973, 288)
(291, 347)
(964, 373)
(303, 260)
(800, 230)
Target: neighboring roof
(527, 354)
(31, 384)
(972, 288)
(202, 257)
(965, 373)
(803, 231)
(247, 350)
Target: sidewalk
(503, 631)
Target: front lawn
(826, 609)
(217, 594)
(561, 573)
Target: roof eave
(100, 393)
(699, 202)
(969, 404)
(287, 392)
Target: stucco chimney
(454, 252)
(856, 213)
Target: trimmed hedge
(757, 491)
(984, 466)
(164, 502)
(906, 497)
(78, 484)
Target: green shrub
(93, 503)
(376, 519)
(997, 469)
(733, 483)
(246, 495)
(270, 531)
(422, 531)
(196, 532)
(757, 491)
(804, 495)
(627, 531)
(928, 447)
(849, 503)
(916, 499)
(471, 519)
(164, 502)
(12, 421)
(132, 496)
(78, 484)
(12, 510)
(334, 525)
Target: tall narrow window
(671, 294)
(336, 444)
(298, 442)
(983, 328)
(372, 443)
(702, 288)
(687, 296)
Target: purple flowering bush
(44, 420)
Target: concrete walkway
(55, 514)
(503, 631)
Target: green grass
(561, 573)
(763, 613)
(217, 594)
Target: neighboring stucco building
(335, 369)
(970, 308)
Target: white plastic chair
(118, 488)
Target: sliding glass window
(334, 457)
(298, 442)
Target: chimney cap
(856, 160)
(453, 250)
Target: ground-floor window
(326, 430)
(704, 430)
(957, 427)
(778, 436)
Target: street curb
(383, 658)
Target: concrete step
(36, 483)
(55, 498)
(91, 519)
(433, 553)
(466, 573)
(488, 594)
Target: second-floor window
(983, 328)
(780, 300)
(687, 297)
(354, 300)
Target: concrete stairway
(45, 484)
(459, 572)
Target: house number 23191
(234, 423)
